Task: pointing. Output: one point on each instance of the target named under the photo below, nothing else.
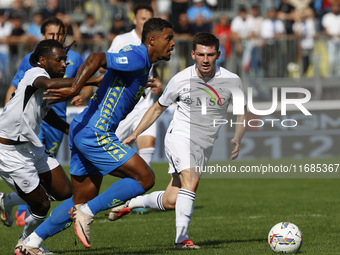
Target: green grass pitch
(231, 216)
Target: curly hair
(42, 49)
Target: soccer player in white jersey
(25, 165)
(146, 140)
(189, 140)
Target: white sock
(32, 221)
(152, 200)
(86, 209)
(184, 210)
(33, 240)
(146, 154)
(12, 200)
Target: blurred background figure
(304, 29)
(222, 31)
(5, 31)
(34, 26)
(241, 28)
(200, 17)
(51, 9)
(256, 42)
(331, 28)
(272, 29)
(93, 33)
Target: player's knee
(41, 208)
(64, 193)
(148, 180)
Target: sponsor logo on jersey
(122, 60)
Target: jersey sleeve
(170, 94)
(24, 66)
(126, 60)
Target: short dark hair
(42, 49)
(206, 39)
(51, 21)
(142, 7)
(154, 25)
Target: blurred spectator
(320, 7)
(177, 8)
(73, 32)
(5, 30)
(303, 6)
(304, 28)
(183, 28)
(93, 35)
(20, 9)
(143, 12)
(241, 28)
(200, 16)
(34, 27)
(286, 13)
(271, 30)
(51, 9)
(152, 3)
(5, 4)
(117, 27)
(256, 41)
(222, 31)
(331, 27)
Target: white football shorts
(20, 165)
(184, 154)
(130, 123)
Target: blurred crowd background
(266, 42)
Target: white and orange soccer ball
(285, 237)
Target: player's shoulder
(186, 73)
(73, 55)
(225, 73)
(36, 71)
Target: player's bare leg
(137, 178)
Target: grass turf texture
(231, 216)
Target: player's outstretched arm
(55, 121)
(85, 71)
(240, 129)
(148, 119)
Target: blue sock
(117, 193)
(58, 220)
(22, 209)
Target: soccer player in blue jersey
(51, 28)
(96, 151)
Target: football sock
(152, 200)
(117, 193)
(146, 154)
(184, 210)
(85, 209)
(33, 240)
(32, 221)
(58, 220)
(13, 199)
(22, 209)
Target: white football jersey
(199, 102)
(119, 42)
(23, 114)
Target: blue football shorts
(96, 152)
(50, 137)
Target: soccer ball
(285, 237)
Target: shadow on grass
(106, 251)
(218, 242)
